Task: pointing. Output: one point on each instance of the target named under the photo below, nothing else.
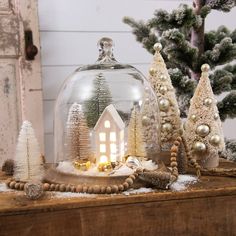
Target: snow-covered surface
(183, 182)
(4, 188)
(67, 167)
(73, 195)
(137, 191)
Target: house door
(20, 75)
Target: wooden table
(206, 208)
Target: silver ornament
(207, 102)
(203, 130)
(167, 127)
(205, 68)
(199, 147)
(164, 104)
(157, 47)
(215, 140)
(193, 117)
(216, 116)
(145, 120)
(163, 77)
(163, 89)
(152, 71)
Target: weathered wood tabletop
(206, 208)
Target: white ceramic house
(109, 136)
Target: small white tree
(28, 159)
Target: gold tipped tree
(77, 135)
(171, 126)
(136, 145)
(204, 134)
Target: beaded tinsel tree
(28, 159)
(100, 99)
(136, 145)
(170, 115)
(204, 134)
(77, 135)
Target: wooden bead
(8, 183)
(73, 189)
(108, 189)
(103, 189)
(125, 185)
(173, 164)
(179, 139)
(52, 187)
(121, 187)
(22, 185)
(174, 169)
(135, 174)
(193, 161)
(85, 189)
(17, 186)
(79, 188)
(175, 173)
(129, 181)
(90, 189)
(96, 189)
(114, 189)
(176, 143)
(174, 149)
(173, 154)
(57, 186)
(12, 184)
(46, 186)
(68, 188)
(173, 159)
(62, 188)
(133, 177)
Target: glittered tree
(159, 78)
(187, 46)
(77, 135)
(28, 159)
(204, 134)
(100, 99)
(136, 145)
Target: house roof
(115, 115)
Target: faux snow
(68, 167)
(183, 182)
(4, 188)
(137, 191)
(73, 195)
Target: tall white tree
(28, 159)
(204, 134)
(77, 135)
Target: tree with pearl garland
(169, 111)
(187, 46)
(203, 128)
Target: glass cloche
(106, 111)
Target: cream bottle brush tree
(204, 134)
(171, 125)
(77, 135)
(28, 159)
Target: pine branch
(232, 70)
(221, 5)
(227, 107)
(179, 49)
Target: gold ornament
(163, 89)
(205, 68)
(163, 77)
(157, 47)
(164, 104)
(84, 166)
(145, 120)
(199, 147)
(215, 140)
(193, 117)
(216, 116)
(203, 130)
(152, 71)
(207, 102)
(167, 127)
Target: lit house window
(107, 124)
(113, 136)
(102, 137)
(102, 148)
(113, 148)
(113, 157)
(103, 159)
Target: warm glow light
(113, 148)
(107, 124)
(102, 148)
(113, 136)
(113, 157)
(122, 135)
(103, 159)
(102, 137)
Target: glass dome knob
(105, 46)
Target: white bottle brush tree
(77, 135)
(28, 159)
(204, 134)
(136, 145)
